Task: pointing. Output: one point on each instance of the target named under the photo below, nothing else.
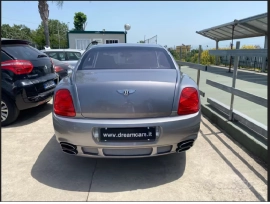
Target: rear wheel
(9, 111)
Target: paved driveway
(35, 169)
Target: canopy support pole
(217, 49)
(231, 48)
(264, 58)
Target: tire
(9, 107)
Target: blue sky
(174, 22)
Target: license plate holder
(127, 134)
(49, 84)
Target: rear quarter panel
(183, 82)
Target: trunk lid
(42, 67)
(101, 93)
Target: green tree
(6, 31)
(174, 53)
(80, 21)
(191, 56)
(251, 47)
(16, 32)
(54, 26)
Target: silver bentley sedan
(126, 100)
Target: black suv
(28, 78)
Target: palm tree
(43, 9)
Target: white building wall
(80, 40)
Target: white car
(71, 56)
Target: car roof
(61, 50)
(128, 45)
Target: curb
(245, 139)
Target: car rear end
(61, 68)
(126, 101)
(28, 77)
(70, 56)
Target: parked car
(70, 56)
(27, 78)
(63, 69)
(126, 100)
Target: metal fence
(152, 40)
(245, 62)
(233, 115)
(251, 62)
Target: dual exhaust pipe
(184, 146)
(68, 148)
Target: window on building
(111, 41)
(81, 44)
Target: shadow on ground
(245, 76)
(31, 115)
(58, 170)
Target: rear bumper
(23, 102)
(81, 132)
(31, 94)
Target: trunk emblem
(126, 92)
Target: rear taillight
(18, 66)
(52, 64)
(189, 101)
(58, 69)
(63, 103)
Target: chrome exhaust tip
(67, 146)
(178, 150)
(72, 152)
(187, 143)
(184, 146)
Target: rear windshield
(25, 52)
(126, 58)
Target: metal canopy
(254, 26)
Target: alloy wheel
(4, 111)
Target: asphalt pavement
(35, 169)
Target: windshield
(126, 58)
